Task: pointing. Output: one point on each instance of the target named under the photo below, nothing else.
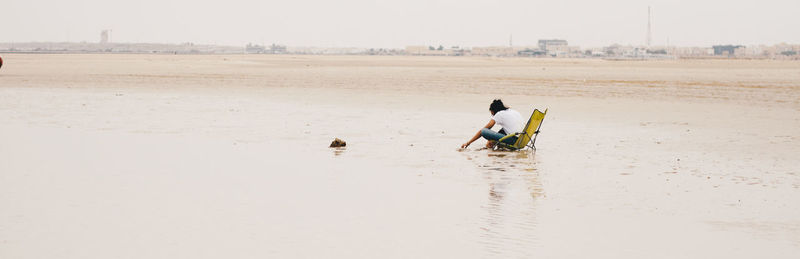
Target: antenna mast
(649, 31)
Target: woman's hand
(478, 134)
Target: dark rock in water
(338, 143)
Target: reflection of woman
(509, 120)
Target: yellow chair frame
(526, 138)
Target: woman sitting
(510, 122)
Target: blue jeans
(494, 136)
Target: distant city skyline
(384, 24)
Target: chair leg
(533, 140)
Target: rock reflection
(508, 227)
(338, 151)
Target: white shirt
(509, 120)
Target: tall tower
(104, 36)
(649, 31)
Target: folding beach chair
(526, 138)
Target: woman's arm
(478, 135)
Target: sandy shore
(158, 156)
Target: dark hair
(496, 106)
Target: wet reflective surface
(99, 161)
(514, 191)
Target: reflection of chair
(526, 138)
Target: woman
(510, 122)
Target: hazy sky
(362, 23)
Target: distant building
(259, 49)
(544, 45)
(555, 47)
(420, 50)
(692, 52)
(416, 50)
(456, 51)
(528, 52)
(104, 35)
(494, 51)
(725, 50)
(784, 49)
(617, 51)
(382, 51)
(595, 52)
(564, 51)
(97, 47)
(277, 49)
(748, 52)
(253, 49)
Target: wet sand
(158, 156)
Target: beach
(226, 156)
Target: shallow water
(159, 169)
